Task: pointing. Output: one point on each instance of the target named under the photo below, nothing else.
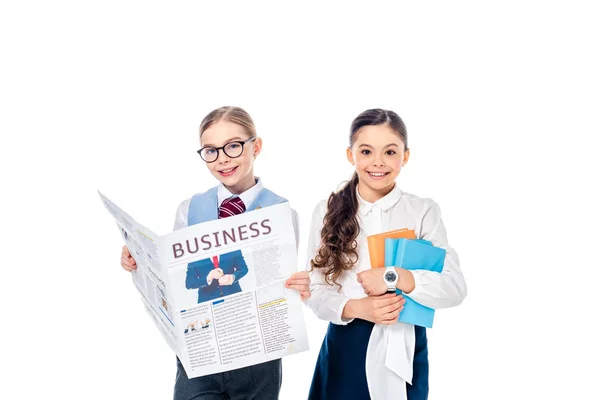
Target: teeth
(378, 174)
(227, 170)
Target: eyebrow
(385, 147)
(233, 139)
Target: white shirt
(386, 375)
(248, 197)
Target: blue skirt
(340, 370)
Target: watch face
(390, 276)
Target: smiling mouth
(228, 171)
(377, 175)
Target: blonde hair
(235, 115)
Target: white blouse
(386, 375)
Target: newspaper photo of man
(217, 276)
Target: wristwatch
(390, 277)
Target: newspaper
(219, 323)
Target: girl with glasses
(229, 146)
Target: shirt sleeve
(433, 289)
(296, 226)
(325, 300)
(181, 216)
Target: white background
(501, 102)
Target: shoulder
(277, 199)
(316, 222)
(273, 195)
(184, 206)
(319, 211)
(421, 206)
(181, 216)
(212, 191)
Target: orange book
(377, 244)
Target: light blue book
(414, 254)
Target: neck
(372, 195)
(243, 185)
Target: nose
(222, 157)
(378, 161)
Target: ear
(349, 155)
(406, 156)
(257, 147)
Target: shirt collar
(247, 197)
(384, 204)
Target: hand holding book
(373, 283)
(383, 309)
(405, 253)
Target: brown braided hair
(340, 224)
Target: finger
(126, 268)
(391, 300)
(125, 263)
(386, 320)
(300, 275)
(299, 281)
(128, 261)
(390, 308)
(359, 278)
(387, 299)
(396, 313)
(305, 294)
(299, 288)
(397, 302)
(392, 316)
(126, 252)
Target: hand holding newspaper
(216, 290)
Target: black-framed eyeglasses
(232, 149)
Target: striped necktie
(231, 206)
(228, 208)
